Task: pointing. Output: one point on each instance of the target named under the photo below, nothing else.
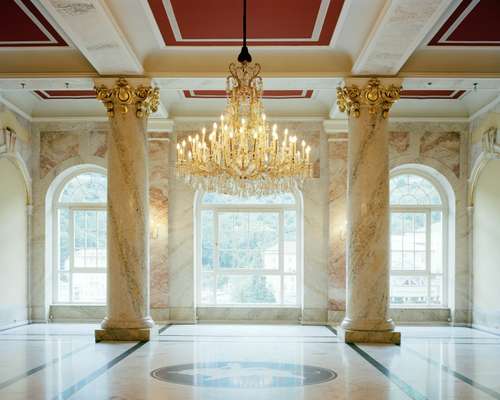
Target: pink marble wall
(158, 212)
(56, 148)
(72, 144)
(408, 143)
(444, 147)
(337, 149)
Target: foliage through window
(248, 251)
(417, 242)
(80, 225)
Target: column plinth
(128, 315)
(368, 214)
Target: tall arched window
(249, 250)
(80, 238)
(418, 240)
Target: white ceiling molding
(160, 125)
(14, 108)
(92, 28)
(485, 109)
(399, 30)
(332, 126)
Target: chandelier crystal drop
(242, 154)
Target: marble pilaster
(367, 308)
(128, 305)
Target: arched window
(248, 250)
(80, 238)
(418, 240)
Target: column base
(390, 337)
(125, 334)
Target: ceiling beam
(91, 27)
(399, 30)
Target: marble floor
(243, 362)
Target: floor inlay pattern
(244, 374)
(247, 362)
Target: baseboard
(486, 329)
(13, 325)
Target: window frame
(271, 208)
(427, 209)
(72, 207)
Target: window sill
(408, 307)
(250, 306)
(77, 305)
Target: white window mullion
(72, 253)
(428, 253)
(216, 254)
(281, 254)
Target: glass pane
(249, 240)
(101, 239)
(90, 242)
(248, 289)
(409, 189)
(227, 259)
(89, 287)
(271, 260)
(89, 187)
(63, 287)
(409, 290)
(290, 244)
(91, 239)
(207, 239)
(408, 241)
(217, 198)
(207, 289)
(80, 237)
(290, 290)
(436, 290)
(64, 239)
(436, 242)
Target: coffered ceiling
(447, 53)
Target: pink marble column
(128, 313)
(367, 307)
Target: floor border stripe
(34, 370)
(163, 329)
(405, 387)
(458, 375)
(331, 328)
(70, 391)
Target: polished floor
(243, 362)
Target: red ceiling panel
(65, 94)
(218, 22)
(268, 94)
(432, 94)
(473, 23)
(22, 25)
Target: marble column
(367, 103)
(128, 104)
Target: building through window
(80, 239)
(249, 250)
(418, 241)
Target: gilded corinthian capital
(377, 97)
(122, 95)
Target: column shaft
(128, 315)
(368, 214)
(368, 225)
(128, 233)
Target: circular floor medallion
(244, 374)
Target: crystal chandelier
(242, 154)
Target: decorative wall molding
(490, 150)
